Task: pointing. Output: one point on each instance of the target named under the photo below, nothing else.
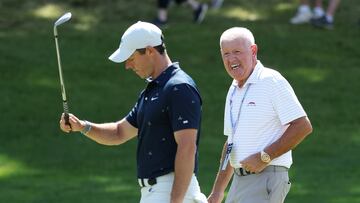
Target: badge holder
(227, 156)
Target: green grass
(39, 163)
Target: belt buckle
(152, 181)
(145, 182)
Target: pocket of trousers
(287, 187)
(278, 187)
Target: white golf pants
(160, 192)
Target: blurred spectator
(216, 4)
(305, 14)
(327, 20)
(199, 11)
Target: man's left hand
(253, 163)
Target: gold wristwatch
(265, 157)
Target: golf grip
(66, 113)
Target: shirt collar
(165, 75)
(254, 76)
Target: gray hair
(238, 32)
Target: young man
(263, 122)
(166, 120)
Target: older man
(165, 119)
(263, 122)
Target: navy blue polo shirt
(168, 104)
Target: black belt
(243, 172)
(145, 182)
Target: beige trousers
(270, 186)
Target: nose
(231, 58)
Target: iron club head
(64, 18)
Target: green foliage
(38, 163)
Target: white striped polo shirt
(269, 105)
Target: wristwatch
(87, 127)
(265, 157)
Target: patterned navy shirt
(168, 104)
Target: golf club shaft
(63, 92)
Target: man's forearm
(223, 176)
(184, 169)
(105, 133)
(293, 135)
(112, 133)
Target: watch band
(87, 127)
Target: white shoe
(301, 18)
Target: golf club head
(64, 18)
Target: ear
(254, 49)
(149, 50)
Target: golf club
(63, 19)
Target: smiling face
(239, 55)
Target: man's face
(140, 64)
(239, 58)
